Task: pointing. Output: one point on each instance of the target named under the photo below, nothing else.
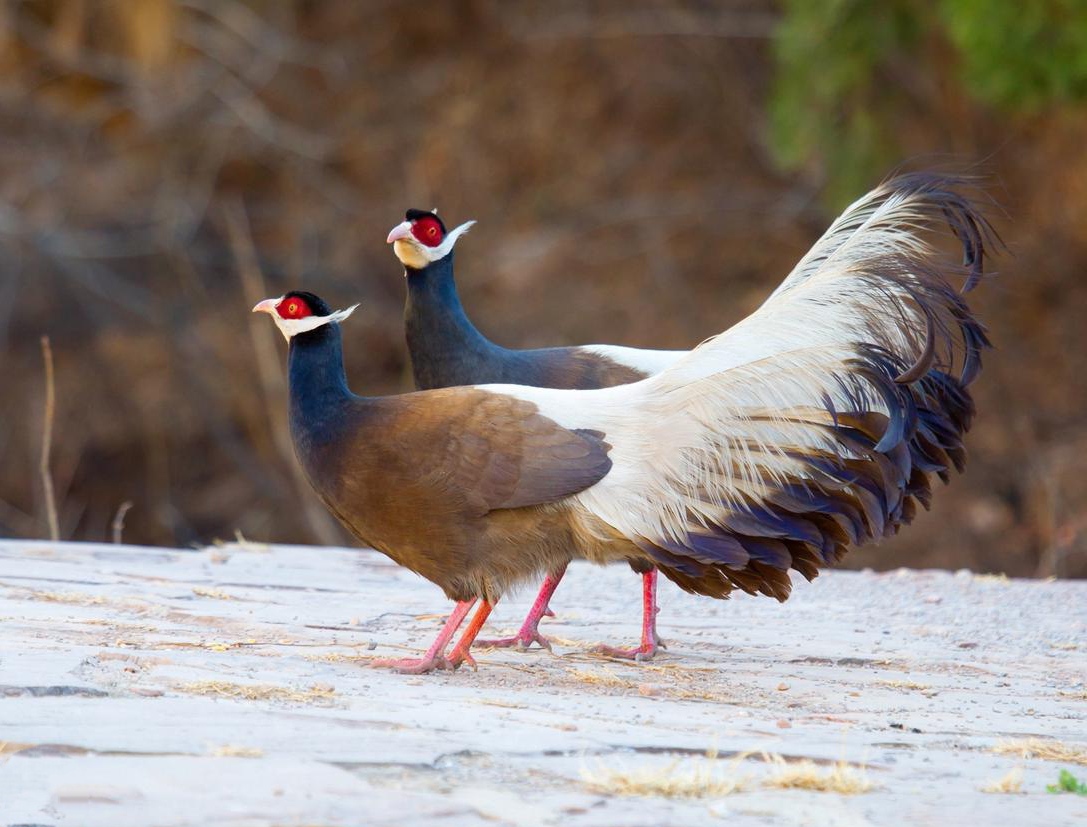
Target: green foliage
(825, 102)
(1020, 56)
(1068, 783)
(853, 75)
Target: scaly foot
(414, 666)
(529, 632)
(522, 640)
(434, 657)
(651, 641)
(460, 652)
(638, 653)
(458, 656)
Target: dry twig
(271, 377)
(47, 442)
(118, 525)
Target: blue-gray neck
(319, 396)
(446, 349)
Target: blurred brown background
(642, 173)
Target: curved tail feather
(815, 423)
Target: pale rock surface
(114, 661)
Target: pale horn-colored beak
(267, 306)
(402, 230)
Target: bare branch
(271, 376)
(118, 524)
(47, 441)
(246, 24)
(254, 115)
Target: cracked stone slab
(230, 686)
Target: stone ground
(229, 686)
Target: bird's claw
(414, 666)
(522, 641)
(459, 656)
(638, 654)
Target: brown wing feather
(501, 453)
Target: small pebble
(783, 687)
(783, 724)
(648, 689)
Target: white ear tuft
(432, 254)
(340, 315)
(292, 327)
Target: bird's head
(298, 311)
(421, 239)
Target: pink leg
(529, 632)
(460, 653)
(435, 655)
(650, 641)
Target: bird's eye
(427, 231)
(294, 309)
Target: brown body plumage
(482, 468)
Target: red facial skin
(293, 308)
(428, 231)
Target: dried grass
(608, 679)
(686, 677)
(1010, 783)
(565, 641)
(217, 594)
(840, 777)
(68, 598)
(233, 751)
(132, 605)
(992, 578)
(1043, 749)
(920, 687)
(683, 694)
(706, 777)
(318, 693)
(242, 543)
(11, 747)
(501, 703)
(675, 668)
(339, 657)
(682, 778)
(209, 646)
